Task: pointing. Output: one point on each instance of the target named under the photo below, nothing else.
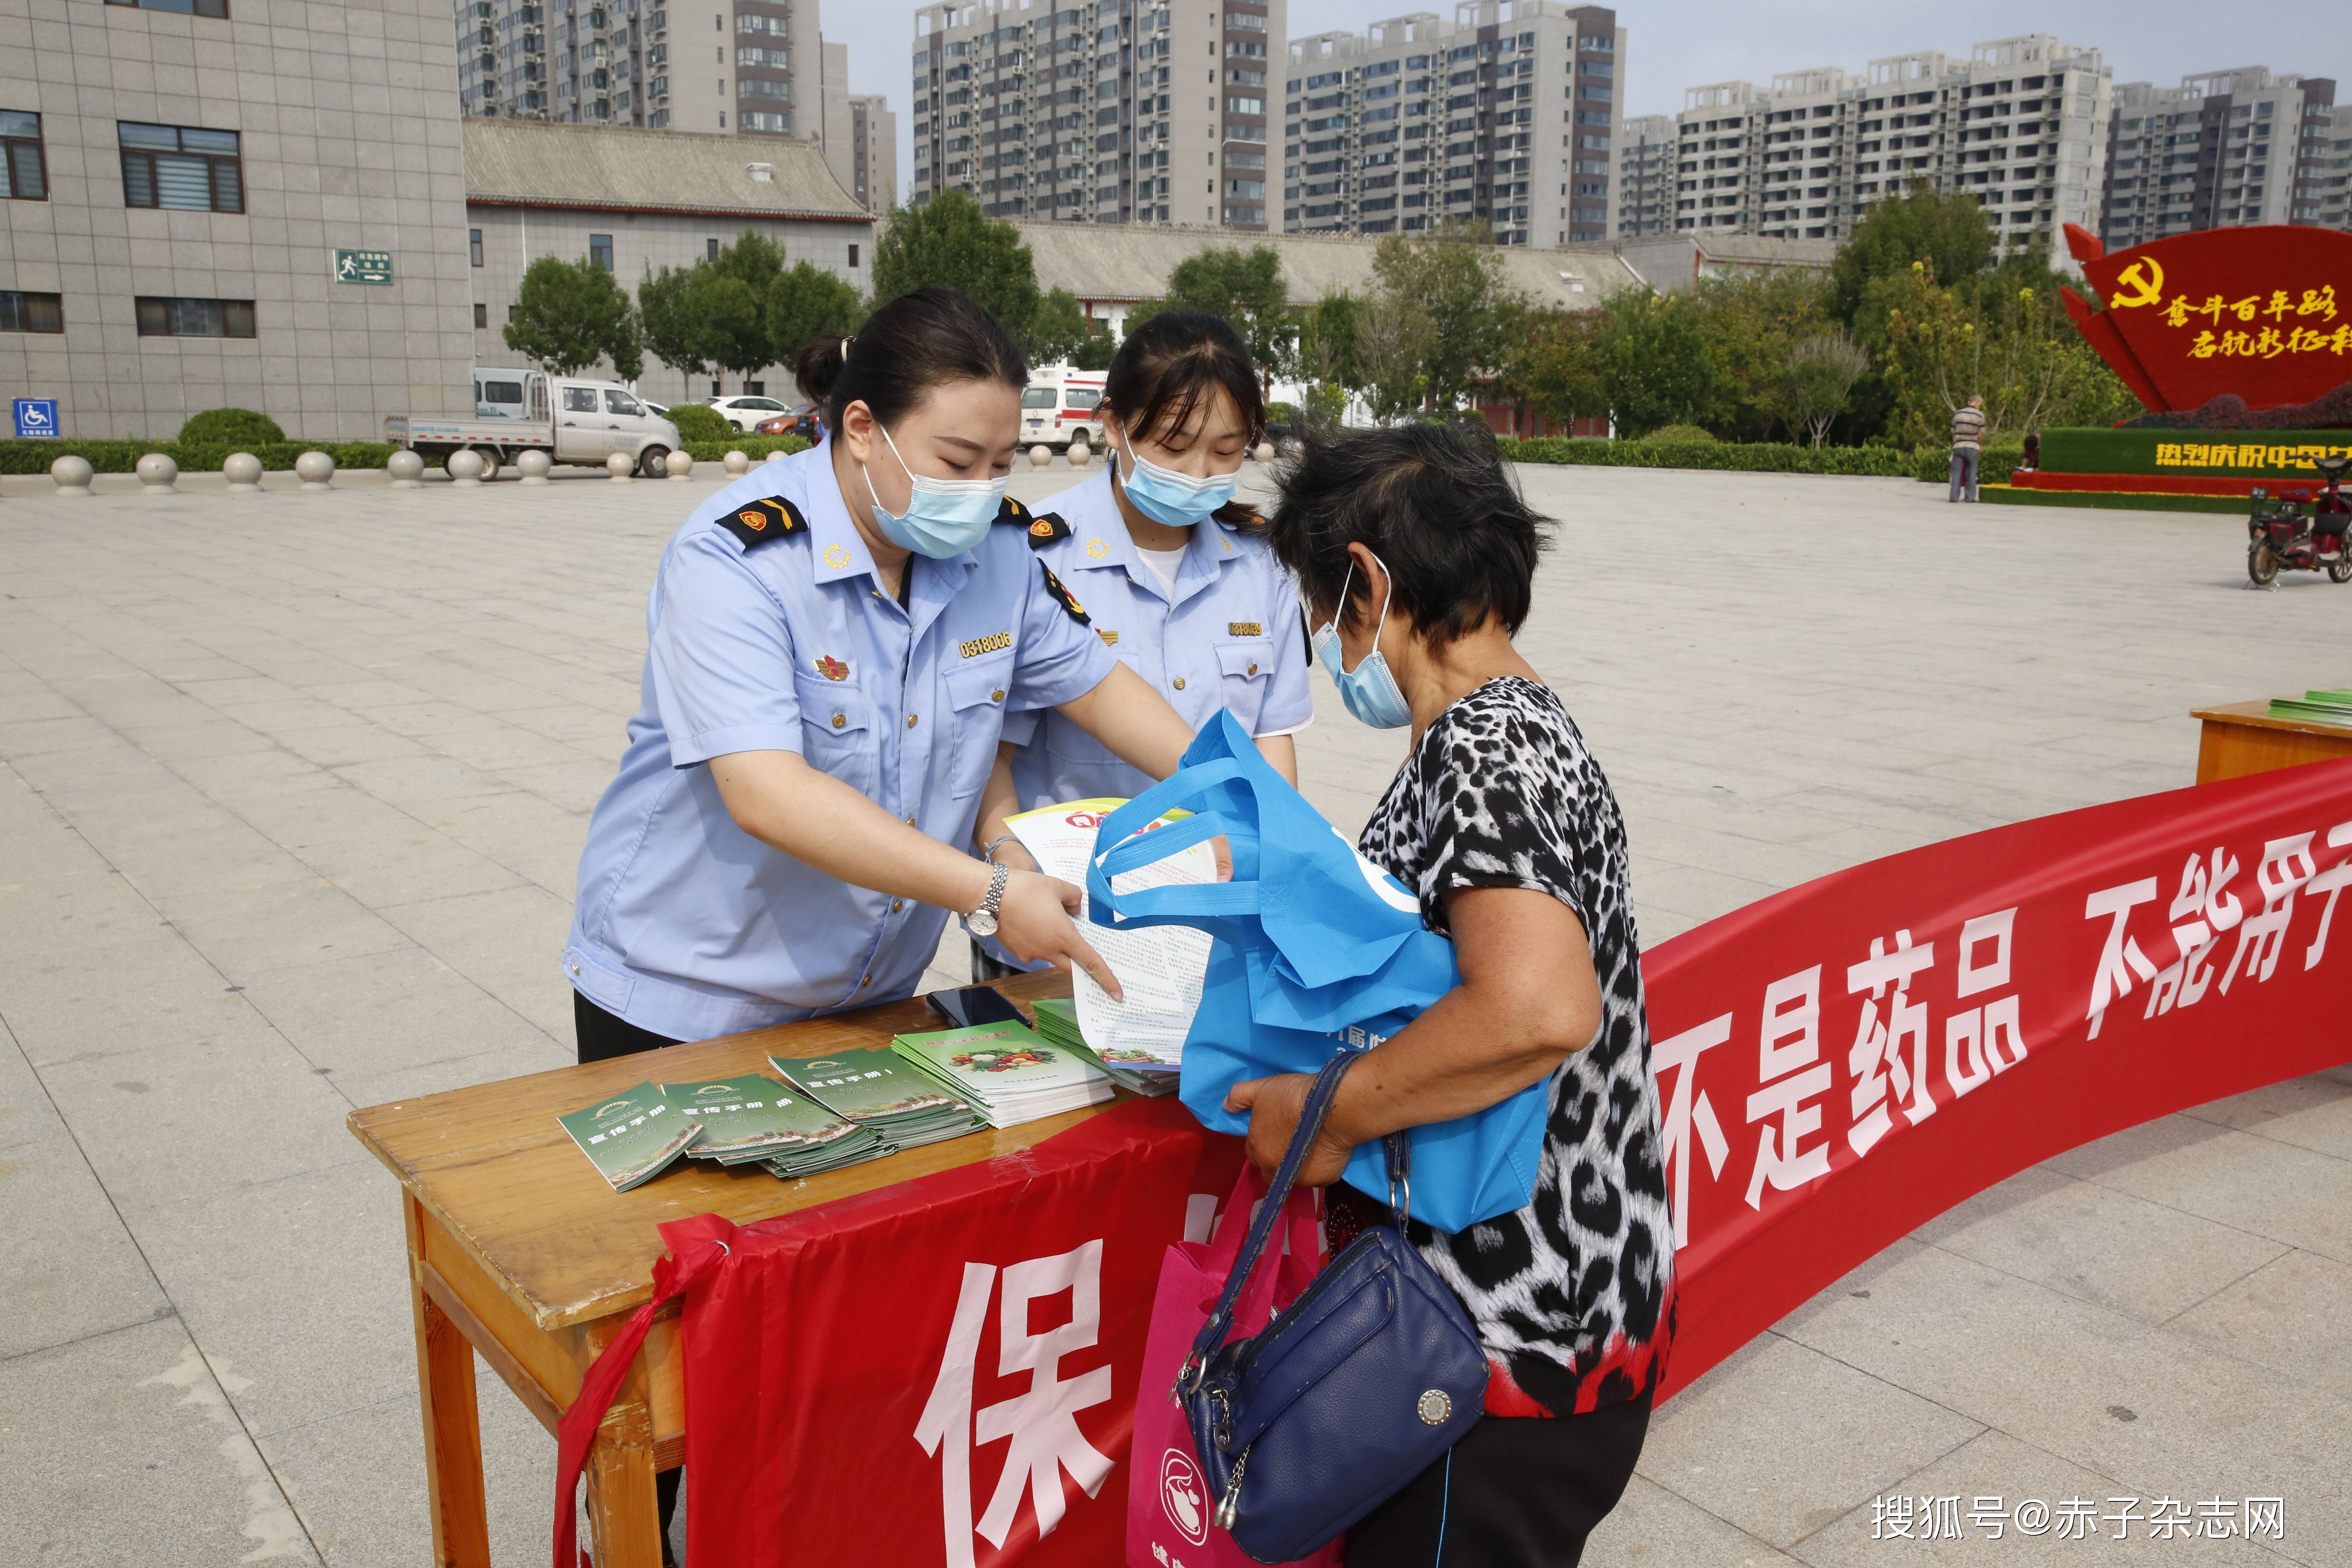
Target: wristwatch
(982, 921)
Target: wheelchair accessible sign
(37, 418)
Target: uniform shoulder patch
(1063, 597)
(758, 522)
(1011, 511)
(1048, 527)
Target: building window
(481, 316)
(853, 255)
(474, 245)
(710, 250)
(23, 171)
(599, 250)
(717, 389)
(21, 313)
(184, 8)
(159, 318)
(181, 167)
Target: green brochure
(753, 1118)
(631, 1137)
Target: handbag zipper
(1290, 1316)
(1229, 1506)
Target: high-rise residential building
(1085, 113)
(1418, 120)
(2221, 150)
(2022, 125)
(873, 153)
(1648, 147)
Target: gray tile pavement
(291, 792)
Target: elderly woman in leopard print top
(1414, 548)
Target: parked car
(573, 420)
(743, 413)
(801, 421)
(1059, 404)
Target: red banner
(944, 1372)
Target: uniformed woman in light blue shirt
(1172, 572)
(833, 645)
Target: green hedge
(1931, 465)
(755, 447)
(123, 457)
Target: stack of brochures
(631, 1137)
(1133, 1070)
(2333, 707)
(1010, 1074)
(754, 1119)
(884, 1094)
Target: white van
(572, 419)
(1060, 405)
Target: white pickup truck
(573, 421)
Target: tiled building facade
(1507, 116)
(2222, 150)
(1648, 149)
(193, 181)
(873, 153)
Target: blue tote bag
(1315, 948)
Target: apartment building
(1648, 149)
(1417, 120)
(2222, 150)
(873, 153)
(1084, 113)
(2020, 125)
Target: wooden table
(2241, 738)
(520, 1251)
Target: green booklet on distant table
(631, 1137)
(754, 1118)
(883, 1093)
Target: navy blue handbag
(1349, 1393)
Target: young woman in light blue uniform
(1172, 572)
(834, 643)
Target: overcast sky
(1675, 44)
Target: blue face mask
(1369, 691)
(1168, 498)
(944, 518)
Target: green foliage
(700, 422)
(1680, 436)
(1761, 458)
(1097, 352)
(1244, 290)
(743, 309)
(1330, 351)
(1394, 345)
(193, 457)
(805, 302)
(1820, 376)
(1452, 281)
(1057, 331)
(1752, 323)
(2014, 347)
(948, 243)
(569, 314)
(1948, 232)
(1556, 364)
(755, 447)
(1655, 356)
(232, 426)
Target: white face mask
(944, 518)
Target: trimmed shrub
(698, 422)
(237, 428)
(1680, 436)
(123, 457)
(1931, 465)
(755, 447)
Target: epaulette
(1011, 511)
(1063, 598)
(758, 522)
(1046, 528)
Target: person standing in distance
(1968, 448)
(1176, 573)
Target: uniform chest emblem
(832, 669)
(837, 556)
(1109, 638)
(989, 644)
(1098, 548)
(1244, 629)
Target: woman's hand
(1034, 921)
(1274, 1105)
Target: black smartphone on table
(968, 1006)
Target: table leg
(452, 1428)
(624, 1516)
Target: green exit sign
(363, 266)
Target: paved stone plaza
(291, 790)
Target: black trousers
(600, 1037)
(1515, 1493)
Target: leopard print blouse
(1573, 1295)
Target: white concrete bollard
(464, 466)
(1080, 453)
(243, 472)
(316, 471)
(680, 466)
(157, 474)
(736, 464)
(405, 470)
(1040, 454)
(1264, 453)
(72, 476)
(773, 457)
(619, 465)
(534, 466)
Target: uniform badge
(1110, 638)
(973, 647)
(1098, 548)
(1048, 527)
(756, 522)
(1011, 511)
(837, 556)
(1244, 629)
(833, 668)
(1063, 598)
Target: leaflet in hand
(631, 1137)
(1160, 968)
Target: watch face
(982, 923)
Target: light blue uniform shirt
(1228, 637)
(689, 927)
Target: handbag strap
(1310, 1123)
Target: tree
(1453, 280)
(1057, 331)
(804, 303)
(1395, 343)
(948, 243)
(1656, 360)
(673, 331)
(569, 314)
(1244, 290)
(1330, 351)
(1558, 366)
(1752, 322)
(1097, 352)
(2015, 347)
(1821, 374)
(1921, 225)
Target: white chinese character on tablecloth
(1978, 1034)
(2286, 867)
(1788, 1066)
(1878, 1042)
(1687, 1109)
(2121, 957)
(2331, 881)
(2203, 911)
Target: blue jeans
(1964, 473)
